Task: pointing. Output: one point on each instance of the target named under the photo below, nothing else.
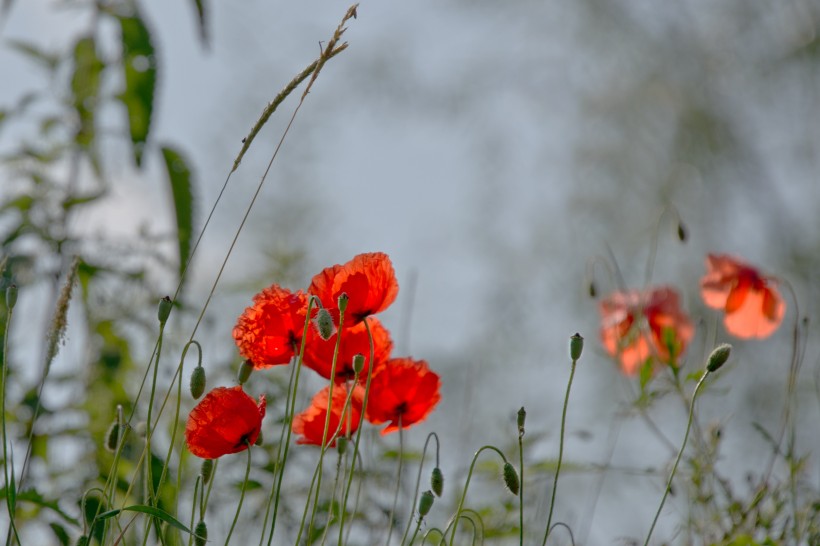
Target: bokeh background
(494, 150)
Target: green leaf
(140, 73)
(151, 511)
(30, 50)
(179, 178)
(34, 497)
(61, 533)
(199, 5)
(85, 85)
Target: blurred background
(494, 151)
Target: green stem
(680, 454)
(454, 521)
(241, 495)
(521, 489)
(418, 483)
(398, 485)
(358, 432)
(560, 451)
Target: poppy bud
(11, 296)
(341, 445)
(200, 534)
(593, 290)
(206, 470)
(437, 481)
(576, 346)
(511, 478)
(522, 417)
(164, 310)
(358, 363)
(682, 234)
(197, 382)
(259, 439)
(82, 541)
(112, 437)
(324, 324)
(342, 302)
(425, 503)
(245, 370)
(718, 357)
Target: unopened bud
(522, 417)
(437, 481)
(324, 324)
(206, 470)
(164, 309)
(341, 445)
(718, 357)
(245, 370)
(682, 233)
(112, 437)
(425, 503)
(511, 478)
(200, 534)
(11, 296)
(342, 302)
(358, 363)
(198, 382)
(576, 346)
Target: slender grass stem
(560, 451)
(678, 458)
(8, 478)
(418, 484)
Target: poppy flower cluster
(271, 331)
(648, 327)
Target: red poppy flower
(319, 353)
(311, 422)
(368, 280)
(404, 391)
(268, 331)
(636, 326)
(224, 422)
(752, 303)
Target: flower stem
(680, 454)
(418, 483)
(560, 451)
(460, 508)
(398, 485)
(8, 477)
(241, 495)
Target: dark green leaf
(179, 177)
(155, 512)
(140, 74)
(61, 533)
(85, 84)
(34, 497)
(202, 16)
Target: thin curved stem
(418, 484)
(454, 521)
(678, 458)
(241, 495)
(398, 485)
(560, 451)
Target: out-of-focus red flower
(636, 326)
(751, 301)
(267, 332)
(368, 280)
(224, 422)
(319, 353)
(311, 422)
(403, 391)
